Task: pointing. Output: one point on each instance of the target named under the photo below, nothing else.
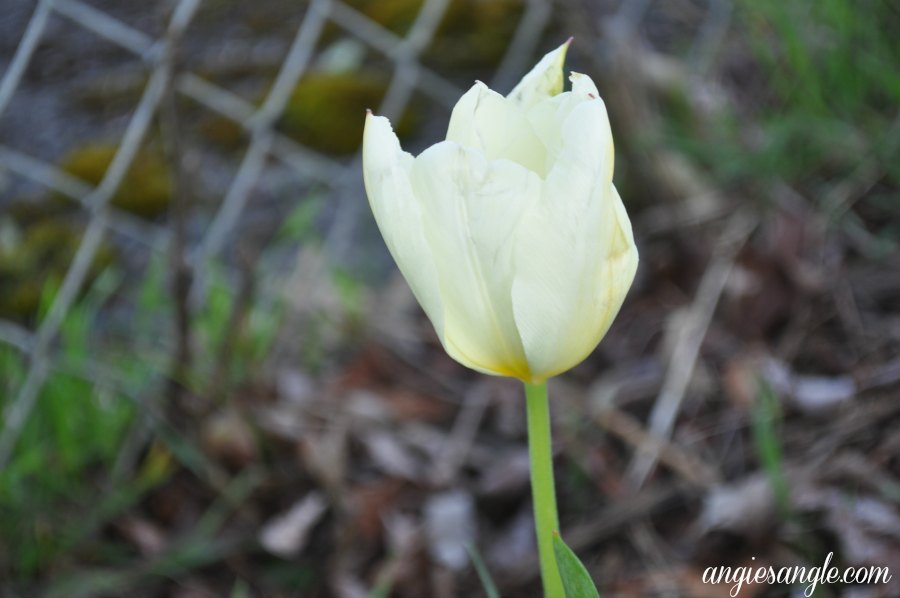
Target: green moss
(146, 189)
(326, 111)
(43, 252)
(475, 33)
(110, 91)
(222, 132)
(472, 34)
(23, 212)
(397, 16)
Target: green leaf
(575, 578)
(483, 574)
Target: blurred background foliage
(825, 95)
(168, 433)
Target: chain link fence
(160, 55)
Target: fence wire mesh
(265, 142)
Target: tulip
(510, 232)
(516, 244)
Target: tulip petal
(485, 120)
(386, 173)
(564, 308)
(575, 256)
(584, 92)
(471, 208)
(548, 118)
(543, 81)
(585, 152)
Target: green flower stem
(542, 489)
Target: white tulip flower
(510, 232)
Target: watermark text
(795, 575)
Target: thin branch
(180, 212)
(687, 345)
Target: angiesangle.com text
(808, 576)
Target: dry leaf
(450, 526)
(286, 534)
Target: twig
(686, 464)
(617, 516)
(687, 345)
(888, 374)
(234, 329)
(648, 543)
(180, 212)
(462, 435)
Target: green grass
(484, 575)
(766, 419)
(66, 479)
(75, 429)
(825, 101)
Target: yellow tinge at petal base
(510, 232)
